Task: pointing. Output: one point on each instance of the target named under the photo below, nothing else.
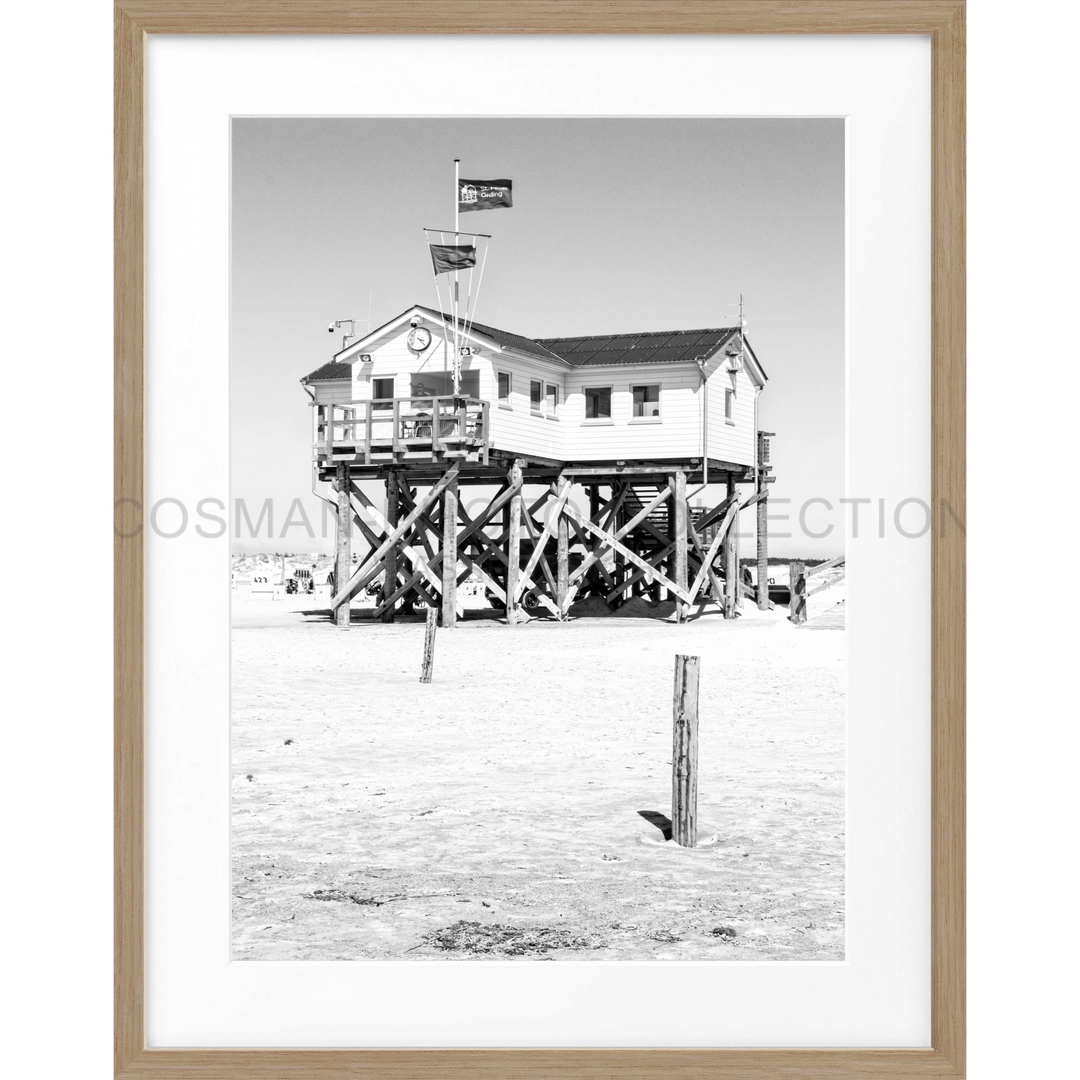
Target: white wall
(518, 427)
(734, 441)
(392, 357)
(677, 434)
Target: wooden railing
(833, 572)
(395, 427)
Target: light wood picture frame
(944, 22)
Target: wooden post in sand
(429, 644)
(797, 588)
(343, 555)
(684, 752)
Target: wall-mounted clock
(419, 338)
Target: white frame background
(881, 994)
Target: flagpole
(457, 240)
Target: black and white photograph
(538, 627)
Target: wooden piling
(763, 553)
(429, 645)
(762, 525)
(343, 553)
(681, 533)
(563, 555)
(684, 752)
(390, 574)
(449, 553)
(513, 552)
(731, 557)
(619, 490)
(797, 588)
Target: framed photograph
(540, 544)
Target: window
(536, 395)
(646, 401)
(597, 402)
(552, 398)
(381, 391)
(506, 384)
(729, 406)
(441, 384)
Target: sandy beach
(497, 812)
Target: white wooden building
(661, 396)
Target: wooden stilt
(763, 547)
(731, 558)
(678, 482)
(619, 492)
(343, 553)
(449, 550)
(429, 645)
(684, 752)
(598, 577)
(513, 551)
(762, 521)
(563, 552)
(658, 590)
(389, 585)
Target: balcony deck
(406, 430)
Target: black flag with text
(484, 194)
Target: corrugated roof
(652, 347)
(329, 373)
(500, 337)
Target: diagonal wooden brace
(526, 581)
(408, 550)
(555, 509)
(473, 529)
(651, 573)
(730, 518)
(657, 558)
(347, 590)
(629, 527)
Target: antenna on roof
(367, 321)
(742, 329)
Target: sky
(618, 225)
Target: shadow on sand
(661, 821)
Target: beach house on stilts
(590, 442)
